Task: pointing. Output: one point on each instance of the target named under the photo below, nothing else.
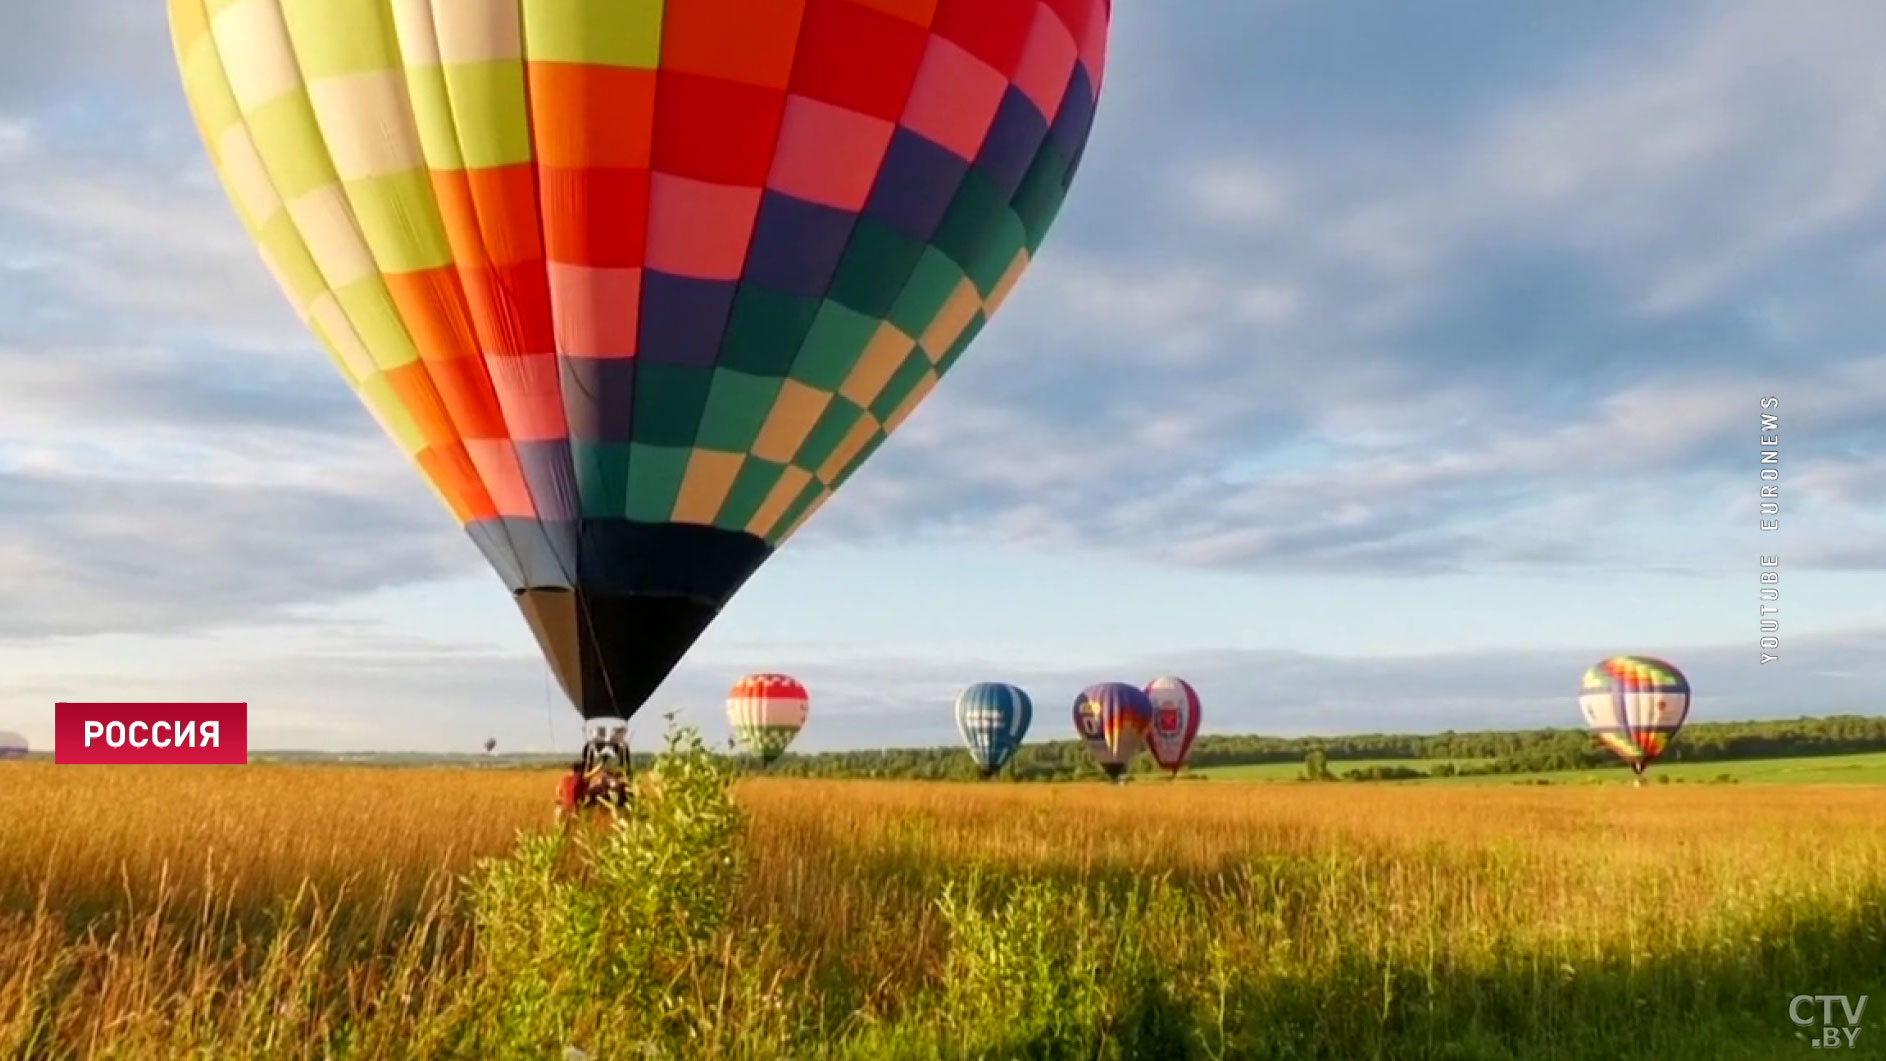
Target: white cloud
(1403, 476)
(1841, 483)
(149, 238)
(86, 554)
(1268, 305)
(1245, 194)
(1682, 164)
(16, 136)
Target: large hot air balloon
(767, 711)
(1174, 721)
(1112, 717)
(993, 718)
(1635, 705)
(638, 284)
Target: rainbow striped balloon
(1635, 705)
(639, 284)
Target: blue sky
(1389, 365)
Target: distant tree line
(1493, 752)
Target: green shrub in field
(1049, 970)
(615, 936)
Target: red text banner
(150, 734)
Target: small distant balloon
(767, 711)
(1175, 721)
(1112, 718)
(993, 718)
(12, 745)
(1635, 705)
(491, 745)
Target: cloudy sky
(1389, 365)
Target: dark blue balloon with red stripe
(1112, 717)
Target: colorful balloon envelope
(1635, 705)
(1112, 718)
(993, 718)
(1174, 721)
(767, 711)
(638, 284)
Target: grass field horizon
(1807, 738)
(1862, 768)
(302, 911)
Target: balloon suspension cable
(550, 718)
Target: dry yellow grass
(1583, 868)
(168, 866)
(95, 838)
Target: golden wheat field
(324, 912)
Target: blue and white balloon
(993, 718)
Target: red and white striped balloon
(767, 711)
